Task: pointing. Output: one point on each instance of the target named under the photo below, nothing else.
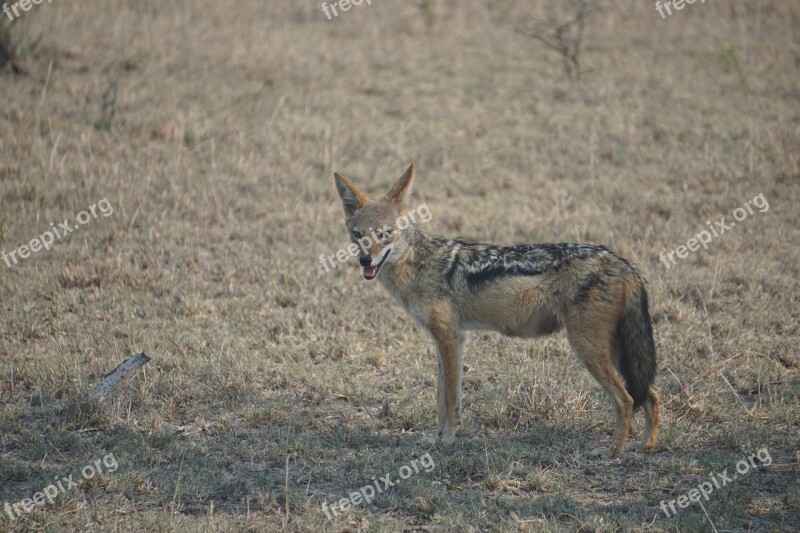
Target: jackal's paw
(602, 453)
(446, 436)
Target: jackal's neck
(418, 258)
(420, 247)
(414, 271)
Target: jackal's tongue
(371, 271)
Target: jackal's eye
(357, 235)
(385, 235)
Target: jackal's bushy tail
(637, 350)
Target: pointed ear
(352, 198)
(401, 190)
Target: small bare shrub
(565, 37)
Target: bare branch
(112, 380)
(567, 38)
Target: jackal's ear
(352, 198)
(401, 190)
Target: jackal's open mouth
(371, 271)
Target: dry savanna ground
(213, 129)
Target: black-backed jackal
(450, 286)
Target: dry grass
(214, 128)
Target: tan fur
(587, 293)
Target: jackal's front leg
(442, 323)
(450, 349)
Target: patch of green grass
(730, 61)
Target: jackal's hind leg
(651, 416)
(591, 340)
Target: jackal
(449, 286)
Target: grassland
(214, 129)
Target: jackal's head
(377, 227)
